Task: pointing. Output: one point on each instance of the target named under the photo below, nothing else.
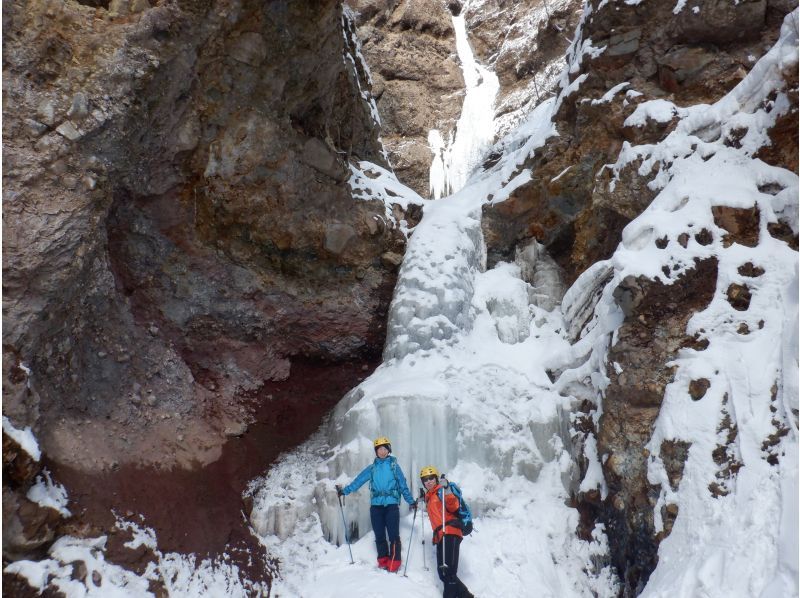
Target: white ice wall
(462, 387)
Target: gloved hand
(339, 491)
(413, 506)
(443, 482)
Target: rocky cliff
(182, 252)
(633, 53)
(417, 81)
(582, 195)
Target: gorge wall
(183, 258)
(577, 204)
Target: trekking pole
(444, 554)
(344, 523)
(422, 529)
(408, 554)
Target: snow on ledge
(47, 493)
(24, 438)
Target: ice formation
(455, 160)
(463, 386)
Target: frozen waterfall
(464, 387)
(455, 159)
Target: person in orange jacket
(447, 550)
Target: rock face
(569, 206)
(179, 232)
(573, 209)
(524, 43)
(417, 81)
(650, 337)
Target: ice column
(438, 176)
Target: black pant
(453, 586)
(386, 520)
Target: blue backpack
(464, 513)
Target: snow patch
(47, 493)
(24, 438)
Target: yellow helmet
(428, 470)
(382, 441)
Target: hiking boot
(393, 566)
(383, 562)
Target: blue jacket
(386, 482)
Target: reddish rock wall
(179, 236)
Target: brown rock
(739, 296)
(248, 48)
(165, 247)
(19, 468)
(783, 147)
(392, 259)
(410, 47)
(750, 270)
(673, 454)
(704, 237)
(742, 225)
(698, 388)
(681, 66)
(27, 527)
(651, 335)
(783, 231)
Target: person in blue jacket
(386, 484)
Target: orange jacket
(434, 507)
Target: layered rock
(653, 331)
(524, 43)
(628, 54)
(179, 233)
(417, 80)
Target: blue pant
(386, 520)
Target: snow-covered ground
(183, 576)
